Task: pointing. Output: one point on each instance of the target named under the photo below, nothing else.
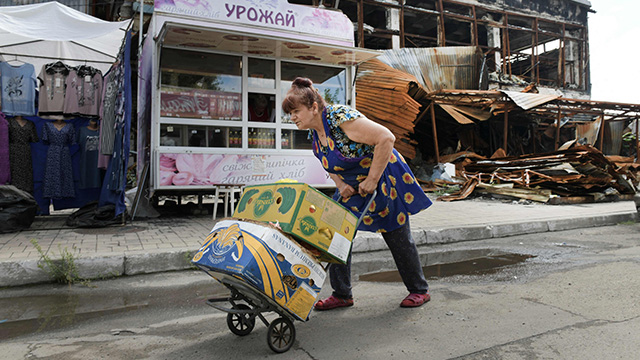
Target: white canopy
(42, 33)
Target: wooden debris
(580, 172)
(384, 95)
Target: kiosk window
(200, 136)
(200, 85)
(295, 139)
(330, 82)
(262, 107)
(262, 73)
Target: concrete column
(393, 23)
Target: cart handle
(366, 209)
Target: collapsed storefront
(441, 124)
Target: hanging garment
(53, 79)
(84, 92)
(5, 170)
(89, 172)
(18, 89)
(20, 139)
(58, 174)
(399, 194)
(112, 82)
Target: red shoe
(332, 302)
(415, 300)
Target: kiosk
(212, 76)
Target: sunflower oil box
(304, 212)
(267, 260)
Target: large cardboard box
(304, 212)
(266, 259)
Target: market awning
(200, 37)
(42, 33)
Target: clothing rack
(54, 58)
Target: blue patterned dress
(58, 174)
(399, 194)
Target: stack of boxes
(282, 261)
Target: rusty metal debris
(579, 171)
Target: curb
(27, 272)
(374, 242)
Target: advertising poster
(211, 169)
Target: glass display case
(201, 93)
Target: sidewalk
(167, 243)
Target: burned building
(464, 80)
(510, 74)
(540, 41)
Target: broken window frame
(572, 74)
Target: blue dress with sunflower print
(399, 194)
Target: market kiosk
(212, 76)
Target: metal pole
(602, 127)
(435, 132)
(506, 131)
(140, 28)
(558, 129)
(637, 141)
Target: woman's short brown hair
(301, 92)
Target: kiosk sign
(275, 14)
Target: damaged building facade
(486, 77)
(544, 42)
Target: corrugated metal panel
(452, 67)
(528, 100)
(589, 131)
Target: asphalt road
(576, 297)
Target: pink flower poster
(210, 169)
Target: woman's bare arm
(363, 130)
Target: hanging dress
(89, 172)
(5, 169)
(398, 193)
(20, 139)
(58, 174)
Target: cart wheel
(241, 324)
(281, 335)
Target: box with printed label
(304, 212)
(266, 259)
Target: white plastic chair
(226, 193)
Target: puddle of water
(32, 314)
(479, 266)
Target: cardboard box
(304, 212)
(266, 259)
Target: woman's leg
(340, 277)
(405, 254)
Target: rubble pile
(581, 173)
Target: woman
(359, 156)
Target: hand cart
(248, 303)
(241, 318)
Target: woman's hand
(368, 186)
(345, 189)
